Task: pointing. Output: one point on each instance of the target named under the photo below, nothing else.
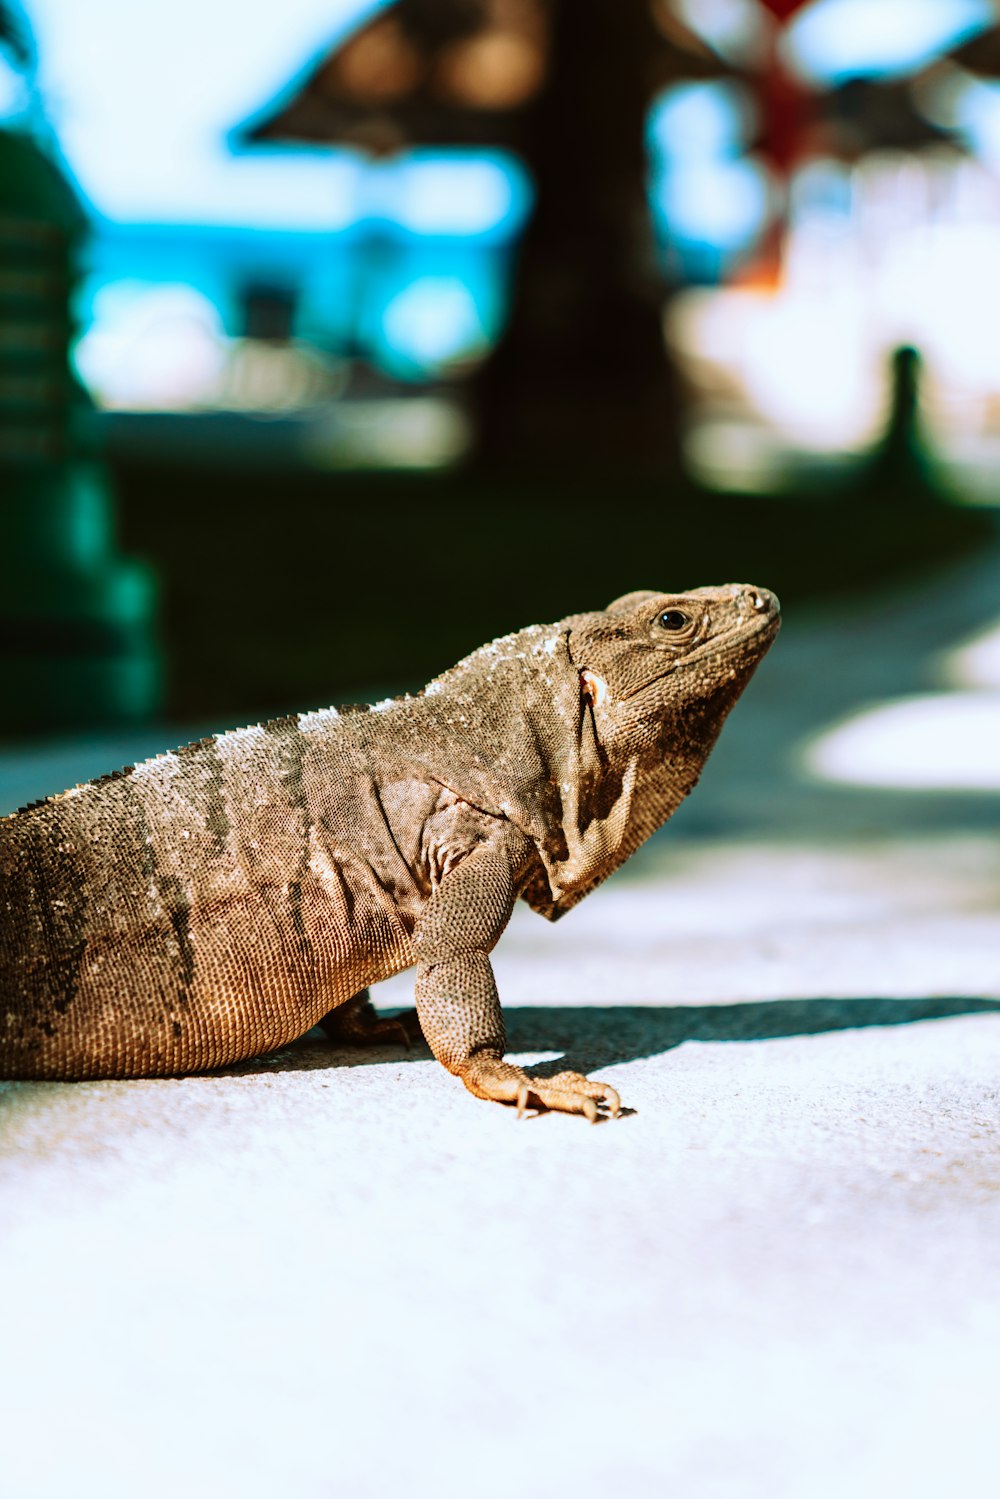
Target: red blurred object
(787, 109)
(782, 9)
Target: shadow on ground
(590, 1036)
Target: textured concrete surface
(777, 1277)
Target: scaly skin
(216, 902)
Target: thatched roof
(446, 72)
(980, 54)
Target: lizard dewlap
(216, 902)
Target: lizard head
(676, 660)
(597, 726)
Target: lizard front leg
(457, 1000)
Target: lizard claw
(593, 1094)
(567, 1093)
(393, 1030)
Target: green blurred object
(901, 470)
(77, 640)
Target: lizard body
(215, 902)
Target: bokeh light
(834, 39)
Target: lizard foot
(567, 1092)
(356, 1024)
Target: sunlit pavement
(333, 1275)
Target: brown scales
(214, 903)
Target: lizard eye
(673, 619)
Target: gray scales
(216, 902)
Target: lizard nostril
(759, 601)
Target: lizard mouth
(755, 631)
(758, 615)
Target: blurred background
(337, 337)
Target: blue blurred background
(362, 309)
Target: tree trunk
(581, 375)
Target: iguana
(213, 903)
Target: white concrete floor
(326, 1274)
